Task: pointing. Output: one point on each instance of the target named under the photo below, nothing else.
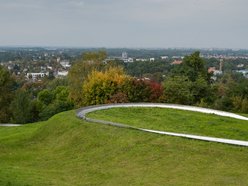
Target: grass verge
(68, 151)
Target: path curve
(81, 113)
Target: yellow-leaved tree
(101, 86)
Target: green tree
(189, 82)
(193, 66)
(6, 94)
(177, 89)
(21, 107)
(46, 96)
(54, 101)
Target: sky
(125, 23)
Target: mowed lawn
(180, 121)
(68, 151)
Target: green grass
(68, 151)
(173, 120)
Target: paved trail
(83, 111)
(9, 125)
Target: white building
(128, 60)
(65, 64)
(141, 59)
(35, 76)
(152, 59)
(164, 57)
(49, 67)
(244, 72)
(240, 65)
(62, 73)
(218, 72)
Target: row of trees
(91, 81)
(25, 102)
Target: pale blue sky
(125, 23)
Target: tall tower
(124, 55)
(221, 64)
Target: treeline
(188, 83)
(26, 102)
(91, 81)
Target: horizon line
(119, 47)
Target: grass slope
(68, 151)
(173, 120)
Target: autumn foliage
(114, 86)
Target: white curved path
(83, 111)
(9, 125)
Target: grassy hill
(180, 121)
(68, 151)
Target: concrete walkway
(9, 125)
(83, 111)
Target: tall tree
(6, 94)
(193, 66)
(21, 107)
(80, 70)
(189, 82)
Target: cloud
(125, 23)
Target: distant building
(128, 60)
(141, 59)
(65, 64)
(211, 69)
(62, 73)
(176, 62)
(124, 55)
(240, 65)
(221, 64)
(218, 72)
(10, 67)
(35, 76)
(49, 67)
(177, 57)
(152, 59)
(214, 72)
(42, 68)
(164, 57)
(244, 72)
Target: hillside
(68, 151)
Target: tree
(193, 66)
(140, 90)
(21, 108)
(6, 94)
(177, 89)
(156, 92)
(46, 96)
(79, 72)
(189, 82)
(99, 87)
(54, 101)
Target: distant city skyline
(125, 24)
